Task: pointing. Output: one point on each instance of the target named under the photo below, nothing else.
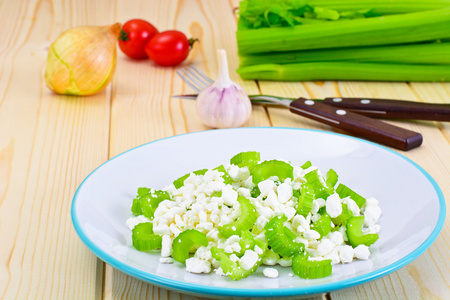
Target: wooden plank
(409, 282)
(142, 110)
(48, 144)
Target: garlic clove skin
(224, 104)
(82, 60)
(223, 108)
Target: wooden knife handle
(393, 109)
(357, 124)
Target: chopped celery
(246, 242)
(343, 218)
(233, 269)
(356, 236)
(244, 222)
(147, 201)
(255, 192)
(215, 252)
(180, 181)
(323, 225)
(346, 71)
(344, 191)
(318, 184)
(259, 234)
(183, 243)
(142, 191)
(269, 168)
(280, 239)
(331, 179)
(248, 159)
(309, 269)
(305, 200)
(217, 194)
(144, 239)
(306, 165)
(226, 178)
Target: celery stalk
(429, 53)
(382, 6)
(392, 29)
(346, 71)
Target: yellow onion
(82, 60)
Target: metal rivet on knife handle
(359, 125)
(394, 109)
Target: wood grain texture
(48, 144)
(145, 98)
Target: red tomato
(168, 48)
(135, 34)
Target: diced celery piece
(255, 192)
(217, 194)
(331, 179)
(246, 242)
(233, 269)
(280, 239)
(316, 181)
(323, 225)
(226, 178)
(344, 191)
(306, 165)
(244, 222)
(248, 159)
(305, 200)
(309, 269)
(180, 181)
(147, 202)
(356, 236)
(343, 218)
(186, 240)
(144, 239)
(269, 168)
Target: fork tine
(200, 81)
(194, 79)
(203, 75)
(188, 82)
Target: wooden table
(49, 143)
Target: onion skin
(82, 60)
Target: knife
(372, 107)
(357, 124)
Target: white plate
(413, 206)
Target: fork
(354, 123)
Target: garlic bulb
(224, 104)
(82, 60)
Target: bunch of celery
(382, 40)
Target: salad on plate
(249, 214)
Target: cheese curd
(205, 202)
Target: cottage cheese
(205, 203)
(270, 272)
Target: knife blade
(371, 107)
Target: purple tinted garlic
(223, 104)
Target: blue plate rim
(285, 292)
